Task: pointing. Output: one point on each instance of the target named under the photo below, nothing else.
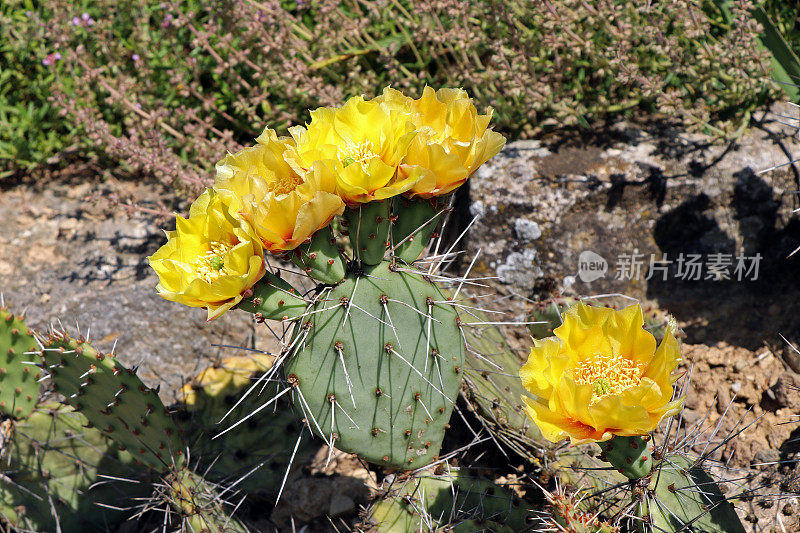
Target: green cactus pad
(683, 497)
(631, 456)
(114, 400)
(274, 299)
(494, 391)
(200, 505)
(414, 223)
(354, 371)
(320, 258)
(450, 500)
(368, 227)
(55, 457)
(19, 386)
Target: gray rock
(526, 230)
(764, 458)
(651, 189)
(519, 269)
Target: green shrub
(168, 87)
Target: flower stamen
(357, 153)
(211, 265)
(284, 184)
(607, 374)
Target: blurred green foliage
(29, 127)
(167, 69)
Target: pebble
(723, 398)
(527, 230)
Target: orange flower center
(607, 374)
(211, 265)
(285, 184)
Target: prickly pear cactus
(257, 448)
(493, 389)
(681, 496)
(114, 400)
(199, 503)
(379, 365)
(429, 502)
(55, 463)
(566, 514)
(19, 385)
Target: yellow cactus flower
(284, 204)
(210, 260)
(232, 375)
(364, 142)
(452, 139)
(601, 375)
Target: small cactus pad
(368, 226)
(114, 400)
(274, 299)
(631, 456)
(320, 258)
(199, 503)
(683, 497)
(449, 500)
(414, 223)
(55, 465)
(493, 389)
(378, 366)
(19, 386)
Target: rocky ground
(632, 189)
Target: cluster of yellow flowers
(276, 194)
